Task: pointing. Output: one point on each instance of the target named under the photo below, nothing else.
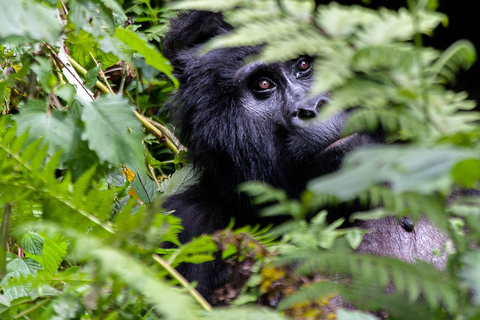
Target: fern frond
(112, 262)
(370, 272)
(460, 55)
(390, 26)
(36, 176)
(257, 33)
(209, 5)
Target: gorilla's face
(279, 95)
(244, 120)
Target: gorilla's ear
(191, 29)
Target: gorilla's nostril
(321, 103)
(306, 114)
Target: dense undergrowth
(85, 163)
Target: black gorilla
(255, 121)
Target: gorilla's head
(245, 120)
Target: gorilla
(243, 121)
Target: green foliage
(113, 132)
(38, 22)
(85, 49)
(152, 57)
(81, 183)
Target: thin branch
(5, 227)
(150, 125)
(102, 74)
(72, 73)
(35, 307)
(174, 273)
(83, 72)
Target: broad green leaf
(91, 16)
(144, 187)
(19, 267)
(32, 243)
(113, 132)
(83, 45)
(66, 92)
(112, 4)
(53, 252)
(43, 70)
(56, 127)
(22, 20)
(179, 181)
(151, 55)
(467, 172)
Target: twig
(53, 100)
(80, 86)
(156, 132)
(174, 273)
(35, 307)
(83, 71)
(168, 134)
(102, 74)
(152, 171)
(124, 77)
(5, 227)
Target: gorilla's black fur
(251, 121)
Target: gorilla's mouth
(342, 142)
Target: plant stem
(5, 227)
(83, 71)
(35, 307)
(174, 273)
(156, 131)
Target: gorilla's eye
(263, 84)
(304, 65)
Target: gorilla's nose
(309, 109)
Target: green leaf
(152, 56)
(82, 45)
(112, 4)
(390, 26)
(16, 269)
(198, 250)
(19, 267)
(179, 181)
(145, 187)
(467, 172)
(32, 243)
(470, 273)
(22, 20)
(113, 132)
(91, 77)
(460, 55)
(404, 168)
(58, 128)
(43, 70)
(53, 252)
(113, 262)
(66, 92)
